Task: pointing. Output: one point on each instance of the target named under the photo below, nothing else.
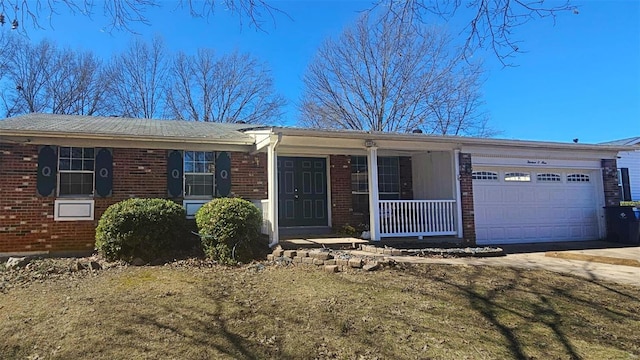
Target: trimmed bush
(144, 228)
(230, 230)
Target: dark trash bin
(623, 224)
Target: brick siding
(610, 182)
(611, 189)
(341, 201)
(466, 189)
(27, 219)
(249, 176)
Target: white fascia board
(128, 144)
(447, 139)
(539, 153)
(262, 140)
(479, 162)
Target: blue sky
(579, 77)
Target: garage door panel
(526, 196)
(543, 196)
(530, 232)
(546, 231)
(512, 212)
(513, 233)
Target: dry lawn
(411, 312)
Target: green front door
(302, 191)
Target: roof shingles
(120, 126)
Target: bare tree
(489, 24)
(137, 79)
(26, 77)
(123, 14)
(229, 88)
(382, 76)
(457, 107)
(43, 78)
(77, 84)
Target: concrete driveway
(596, 260)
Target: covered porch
(432, 209)
(417, 196)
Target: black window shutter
(47, 170)
(626, 186)
(223, 174)
(104, 172)
(175, 171)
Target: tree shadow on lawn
(567, 312)
(598, 282)
(206, 327)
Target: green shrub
(230, 230)
(144, 228)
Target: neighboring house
(58, 173)
(628, 169)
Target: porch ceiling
(350, 146)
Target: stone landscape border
(342, 260)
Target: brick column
(340, 172)
(466, 190)
(610, 188)
(610, 182)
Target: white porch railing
(417, 217)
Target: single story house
(628, 169)
(58, 174)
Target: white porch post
(458, 194)
(374, 206)
(272, 190)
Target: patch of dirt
(39, 270)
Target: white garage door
(524, 206)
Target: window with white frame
(517, 176)
(199, 174)
(76, 171)
(484, 175)
(548, 177)
(388, 181)
(578, 178)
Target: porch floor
(305, 241)
(337, 241)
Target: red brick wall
(26, 219)
(340, 173)
(139, 173)
(341, 200)
(611, 189)
(610, 182)
(249, 176)
(466, 189)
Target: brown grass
(413, 312)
